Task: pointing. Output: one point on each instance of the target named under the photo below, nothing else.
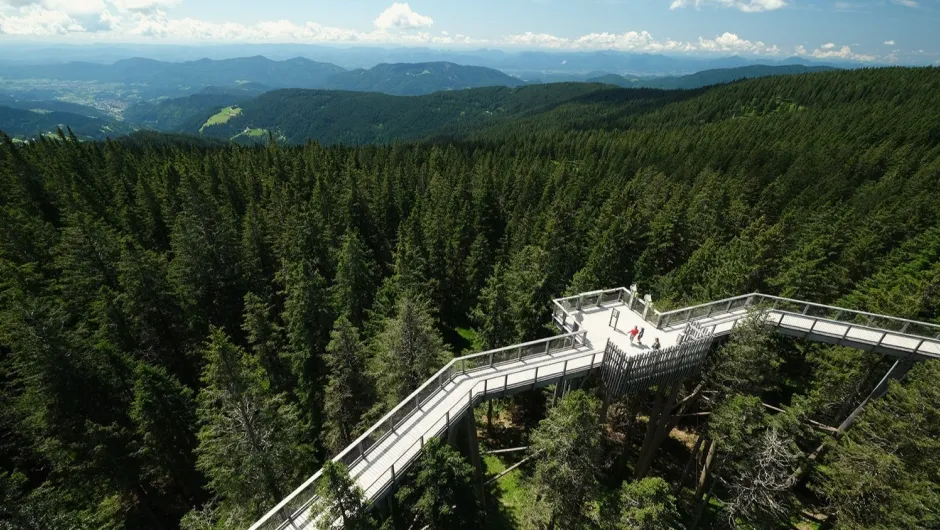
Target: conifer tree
(250, 439)
(493, 316)
(340, 501)
(348, 389)
(569, 442)
(647, 504)
(353, 287)
(164, 412)
(441, 493)
(409, 349)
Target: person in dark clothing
(656, 344)
(639, 337)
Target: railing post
(806, 309)
(519, 354)
(580, 299)
(393, 474)
(564, 370)
(491, 358)
(668, 318)
(391, 425)
(904, 327)
(919, 344)
(848, 328)
(486, 386)
(548, 345)
(422, 441)
(505, 383)
(728, 307)
(536, 380)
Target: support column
(656, 429)
(473, 448)
(453, 428)
(897, 372)
(559, 392)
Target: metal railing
(291, 509)
(799, 307)
(566, 311)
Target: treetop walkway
(594, 325)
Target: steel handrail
(408, 401)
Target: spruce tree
(349, 391)
(409, 349)
(250, 439)
(440, 494)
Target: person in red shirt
(633, 333)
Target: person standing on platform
(639, 337)
(656, 344)
(633, 333)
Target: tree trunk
(701, 507)
(688, 463)
(703, 478)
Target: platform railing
(819, 311)
(292, 508)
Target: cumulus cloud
(143, 20)
(37, 21)
(401, 17)
(889, 43)
(730, 42)
(747, 6)
(830, 50)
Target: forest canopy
(189, 331)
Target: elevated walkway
(592, 323)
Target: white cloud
(730, 42)
(906, 3)
(747, 6)
(37, 21)
(831, 51)
(889, 43)
(146, 20)
(401, 17)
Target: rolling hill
(410, 79)
(23, 124)
(707, 77)
(363, 117)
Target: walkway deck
(386, 450)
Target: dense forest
(189, 331)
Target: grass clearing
(508, 491)
(222, 116)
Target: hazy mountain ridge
(708, 77)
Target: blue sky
(904, 31)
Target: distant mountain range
(239, 99)
(529, 65)
(706, 77)
(398, 79)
